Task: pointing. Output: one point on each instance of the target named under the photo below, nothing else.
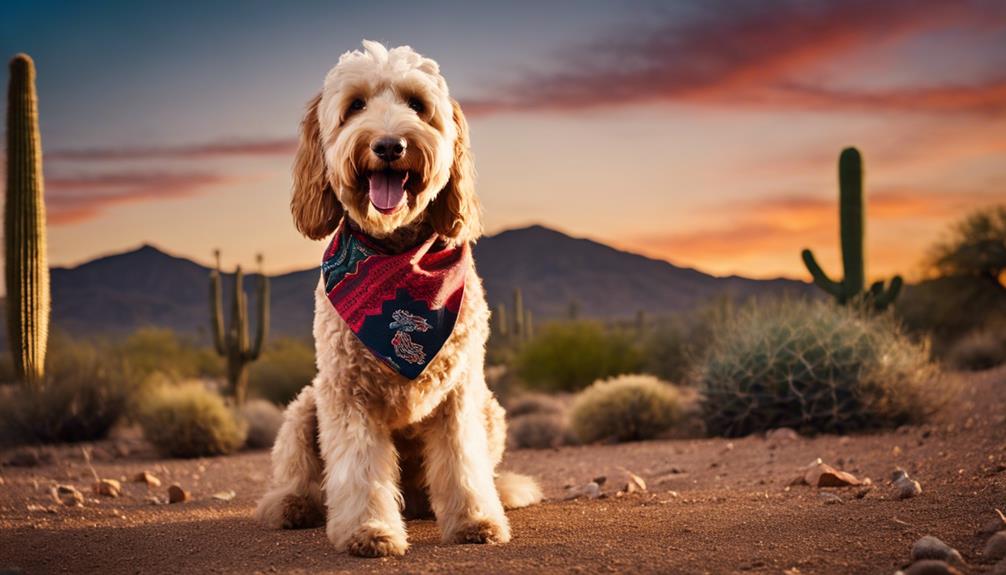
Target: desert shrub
(568, 356)
(530, 403)
(262, 419)
(981, 349)
(816, 367)
(626, 408)
(85, 392)
(286, 366)
(157, 350)
(538, 430)
(946, 309)
(189, 421)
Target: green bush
(539, 430)
(263, 420)
(816, 367)
(981, 349)
(190, 421)
(568, 356)
(286, 366)
(85, 392)
(626, 408)
(158, 350)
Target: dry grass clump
(625, 408)
(190, 421)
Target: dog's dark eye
(417, 105)
(357, 105)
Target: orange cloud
(749, 55)
(776, 229)
(77, 198)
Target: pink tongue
(387, 189)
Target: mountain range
(119, 293)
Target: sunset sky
(705, 133)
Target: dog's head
(384, 143)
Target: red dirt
(713, 506)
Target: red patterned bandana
(403, 307)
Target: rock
(830, 498)
(592, 490)
(898, 475)
(178, 495)
(782, 434)
(224, 495)
(600, 479)
(930, 547)
(824, 475)
(906, 488)
(994, 525)
(930, 567)
(67, 495)
(147, 477)
(107, 487)
(995, 548)
(635, 483)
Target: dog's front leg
(361, 482)
(459, 471)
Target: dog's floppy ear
(456, 213)
(316, 210)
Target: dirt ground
(712, 506)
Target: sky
(702, 132)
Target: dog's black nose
(389, 148)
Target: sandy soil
(713, 506)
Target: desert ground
(710, 506)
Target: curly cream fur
(352, 438)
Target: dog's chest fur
(356, 374)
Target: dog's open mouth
(387, 190)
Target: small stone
(995, 549)
(600, 479)
(592, 490)
(782, 434)
(906, 488)
(224, 495)
(830, 498)
(67, 495)
(178, 495)
(824, 475)
(635, 483)
(930, 547)
(994, 525)
(930, 567)
(896, 451)
(147, 477)
(107, 487)
(898, 475)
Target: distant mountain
(147, 287)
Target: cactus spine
(234, 344)
(27, 269)
(851, 218)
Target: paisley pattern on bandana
(403, 307)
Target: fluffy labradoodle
(399, 418)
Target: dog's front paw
(373, 540)
(482, 531)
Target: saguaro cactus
(233, 343)
(518, 313)
(502, 327)
(851, 218)
(27, 268)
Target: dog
(384, 163)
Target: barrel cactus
(27, 268)
(234, 343)
(816, 367)
(851, 222)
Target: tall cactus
(851, 218)
(27, 268)
(518, 313)
(502, 327)
(234, 344)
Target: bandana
(403, 307)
